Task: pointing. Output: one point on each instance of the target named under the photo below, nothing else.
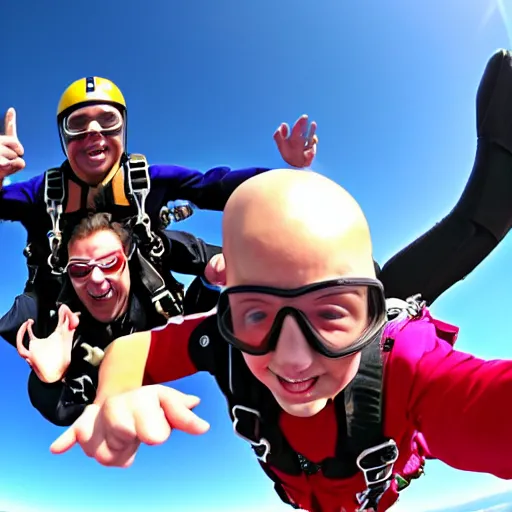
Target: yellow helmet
(89, 91)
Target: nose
(293, 355)
(97, 276)
(94, 127)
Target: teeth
(105, 295)
(296, 381)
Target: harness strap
(54, 196)
(164, 301)
(138, 185)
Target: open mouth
(97, 153)
(103, 296)
(297, 386)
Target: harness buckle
(413, 306)
(308, 467)
(165, 304)
(377, 464)
(178, 213)
(261, 447)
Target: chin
(304, 410)
(102, 318)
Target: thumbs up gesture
(11, 150)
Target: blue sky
(392, 86)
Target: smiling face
(271, 240)
(300, 377)
(99, 272)
(94, 136)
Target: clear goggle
(337, 317)
(105, 119)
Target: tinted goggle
(337, 317)
(109, 265)
(79, 123)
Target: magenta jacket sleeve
(462, 405)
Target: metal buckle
(262, 443)
(416, 305)
(378, 476)
(178, 213)
(166, 296)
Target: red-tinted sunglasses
(110, 264)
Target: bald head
(287, 228)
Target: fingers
(10, 123)
(301, 130)
(281, 133)
(20, 336)
(312, 138)
(113, 432)
(300, 127)
(9, 150)
(64, 442)
(176, 407)
(74, 320)
(151, 423)
(10, 138)
(8, 167)
(63, 313)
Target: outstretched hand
(49, 357)
(298, 147)
(112, 433)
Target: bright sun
(504, 9)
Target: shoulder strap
(166, 303)
(138, 186)
(363, 401)
(54, 197)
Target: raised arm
(208, 191)
(211, 190)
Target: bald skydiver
(340, 406)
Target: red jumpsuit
(458, 403)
